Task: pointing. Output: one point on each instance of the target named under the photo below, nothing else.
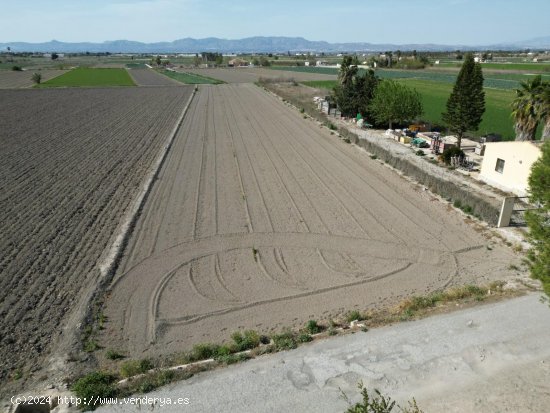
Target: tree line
(378, 101)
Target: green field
(91, 77)
(191, 78)
(434, 98)
(497, 106)
(532, 67)
(492, 80)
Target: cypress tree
(466, 104)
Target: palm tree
(348, 70)
(526, 109)
(544, 110)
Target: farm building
(237, 63)
(507, 165)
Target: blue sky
(470, 22)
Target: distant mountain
(536, 43)
(252, 44)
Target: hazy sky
(471, 22)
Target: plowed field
(148, 77)
(260, 219)
(71, 161)
(16, 79)
(251, 75)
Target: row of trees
(376, 100)
(388, 102)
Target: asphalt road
(490, 358)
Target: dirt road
(260, 219)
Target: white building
(507, 165)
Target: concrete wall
(486, 209)
(518, 158)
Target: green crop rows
(91, 77)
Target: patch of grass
(255, 253)
(373, 156)
(517, 247)
(321, 84)
(410, 307)
(95, 385)
(155, 379)
(134, 367)
(496, 118)
(467, 209)
(91, 77)
(420, 153)
(232, 358)
(114, 355)
(312, 327)
(354, 316)
(91, 345)
(17, 374)
(203, 351)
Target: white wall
(518, 158)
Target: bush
(16, 68)
(451, 153)
(246, 341)
(203, 351)
(304, 338)
(114, 355)
(354, 315)
(132, 368)
(312, 327)
(285, 341)
(36, 78)
(420, 153)
(97, 384)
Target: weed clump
(354, 316)
(246, 340)
(312, 327)
(114, 355)
(95, 385)
(285, 341)
(134, 367)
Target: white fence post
(506, 212)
